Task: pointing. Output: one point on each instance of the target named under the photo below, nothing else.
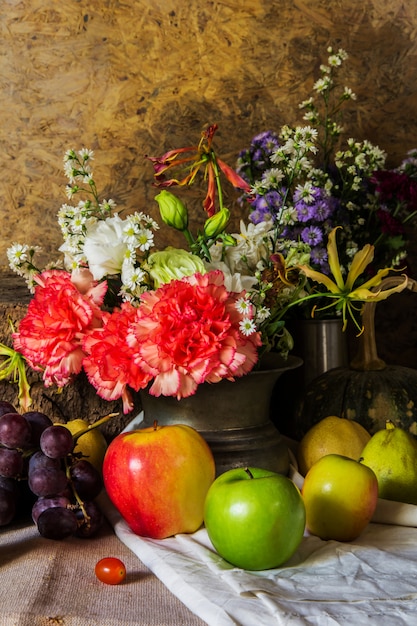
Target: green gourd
(368, 391)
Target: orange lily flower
(194, 158)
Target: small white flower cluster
(324, 87)
(94, 235)
(293, 154)
(359, 161)
(21, 261)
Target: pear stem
(99, 422)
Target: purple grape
(8, 501)
(89, 527)
(42, 504)
(38, 422)
(11, 463)
(9, 484)
(56, 442)
(15, 431)
(39, 459)
(86, 479)
(6, 407)
(47, 481)
(57, 523)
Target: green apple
(254, 518)
(340, 496)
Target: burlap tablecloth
(51, 583)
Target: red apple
(339, 497)
(158, 478)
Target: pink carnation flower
(58, 316)
(109, 363)
(187, 332)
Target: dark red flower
(389, 224)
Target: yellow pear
(392, 454)
(92, 444)
(331, 435)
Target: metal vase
(322, 346)
(233, 417)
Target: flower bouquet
(133, 317)
(306, 181)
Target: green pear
(392, 454)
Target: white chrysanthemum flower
(108, 206)
(289, 216)
(244, 306)
(309, 116)
(348, 94)
(306, 191)
(322, 84)
(86, 154)
(85, 177)
(130, 255)
(70, 171)
(247, 326)
(65, 213)
(131, 275)
(78, 222)
(145, 239)
(272, 177)
(262, 314)
(70, 191)
(306, 103)
(130, 231)
(17, 254)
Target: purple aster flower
(265, 207)
(319, 206)
(318, 256)
(312, 235)
(304, 211)
(253, 161)
(260, 214)
(323, 209)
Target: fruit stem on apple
(249, 473)
(155, 425)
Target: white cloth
(370, 581)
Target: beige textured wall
(140, 76)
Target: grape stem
(74, 491)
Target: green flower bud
(173, 263)
(172, 210)
(216, 224)
(228, 240)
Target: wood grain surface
(134, 77)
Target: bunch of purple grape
(63, 485)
